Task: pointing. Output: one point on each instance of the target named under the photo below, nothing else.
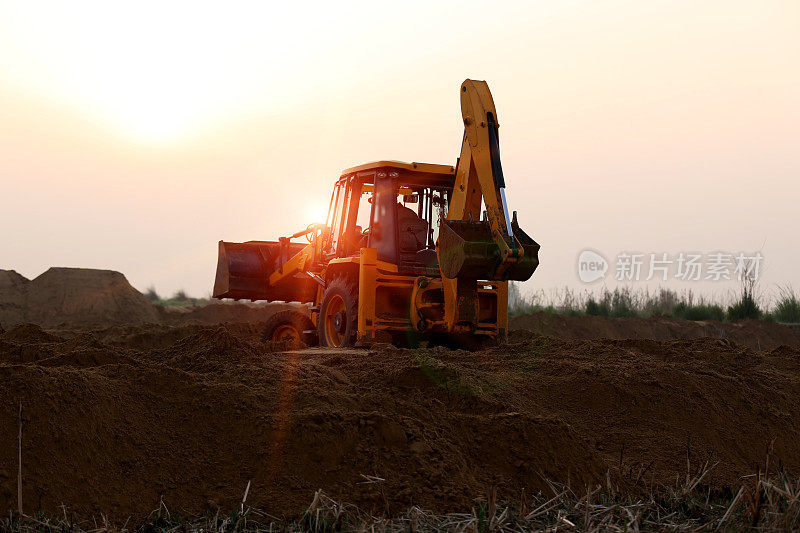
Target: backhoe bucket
(243, 270)
(467, 250)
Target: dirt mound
(13, 288)
(11, 280)
(28, 334)
(26, 343)
(217, 350)
(756, 334)
(87, 351)
(115, 423)
(82, 296)
(68, 297)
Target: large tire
(337, 323)
(286, 326)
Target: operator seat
(413, 235)
(412, 230)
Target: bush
(788, 308)
(746, 307)
(595, 308)
(180, 295)
(661, 303)
(622, 304)
(151, 294)
(698, 312)
(617, 304)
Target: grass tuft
(788, 307)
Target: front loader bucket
(243, 270)
(467, 250)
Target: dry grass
(762, 503)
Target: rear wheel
(337, 323)
(286, 326)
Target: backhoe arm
(480, 163)
(470, 249)
(494, 248)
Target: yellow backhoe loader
(409, 251)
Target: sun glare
(163, 114)
(316, 213)
(153, 121)
(153, 72)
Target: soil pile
(81, 296)
(13, 288)
(72, 297)
(755, 334)
(120, 418)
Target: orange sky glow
(135, 136)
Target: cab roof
(419, 173)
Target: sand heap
(13, 289)
(122, 418)
(72, 297)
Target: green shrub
(746, 307)
(659, 304)
(595, 308)
(617, 304)
(151, 294)
(788, 308)
(622, 304)
(698, 312)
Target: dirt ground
(122, 416)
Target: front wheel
(337, 323)
(286, 326)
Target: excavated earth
(121, 418)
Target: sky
(136, 135)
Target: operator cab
(393, 207)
